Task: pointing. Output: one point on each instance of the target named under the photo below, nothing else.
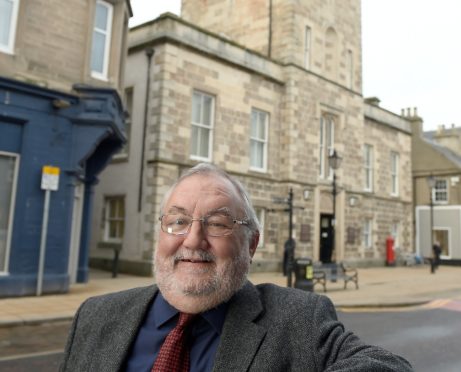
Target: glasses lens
(219, 225)
(176, 224)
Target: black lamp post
(431, 183)
(334, 161)
(291, 249)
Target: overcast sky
(411, 53)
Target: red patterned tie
(174, 354)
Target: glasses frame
(202, 221)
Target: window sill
(259, 170)
(110, 245)
(7, 51)
(100, 77)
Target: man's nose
(196, 238)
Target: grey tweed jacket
(267, 328)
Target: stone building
(437, 190)
(266, 90)
(61, 119)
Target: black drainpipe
(149, 54)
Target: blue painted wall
(79, 139)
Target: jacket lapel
(120, 332)
(241, 336)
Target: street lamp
(289, 248)
(431, 183)
(334, 161)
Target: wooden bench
(324, 272)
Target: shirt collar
(164, 312)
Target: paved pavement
(378, 287)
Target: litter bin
(304, 273)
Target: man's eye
(180, 222)
(218, 222)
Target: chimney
(373, 101)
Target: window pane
(258, 138)
(257, 154)
(112, 230)
(262, 126)
(7, 168)
(204, 140)
(121, 209)
(254, 124)
(196, 108)
(115, 218)
(207, 102)
(202, 122)
(441, 191)
(97, 52)
(194, 141)
(6, 11)
(253, 154)
(101, 16)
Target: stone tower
(322, 36)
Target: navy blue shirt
(160, 319)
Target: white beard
(199, 294)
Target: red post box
(390, 253)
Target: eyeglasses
(213, 225)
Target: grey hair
(208, 169)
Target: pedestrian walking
(437, 251)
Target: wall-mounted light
(353, 201)
(306, 194)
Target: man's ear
(254, 243)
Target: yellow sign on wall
(50, 178)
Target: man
(209, 233)
(437, 251)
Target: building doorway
(326, 238)
(442, 237)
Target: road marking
(435, 304)
(447, 304)
(31, 355)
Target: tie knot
(185, 319)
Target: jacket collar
(241, 336)
(121, 330)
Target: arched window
(331, 62)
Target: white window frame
(202, 126)
(395, 232)
(103, 75)
(395, 173)
(259, 140)
(108, 219)
(368, 159)
(5, 269)
(307, 47)
(261, 215)
(440, 188)
(9, 46)
(326, 146)
(367, 234)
